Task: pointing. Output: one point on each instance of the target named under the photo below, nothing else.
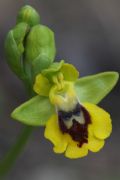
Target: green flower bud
(29, 48)
(14, 48)
(40, 48)
(29, 15)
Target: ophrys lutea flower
(73, 123)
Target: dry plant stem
(15, 151)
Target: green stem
(10, 158)
(15, 151)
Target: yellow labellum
(98, 130)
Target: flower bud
(28, 15)
(40, 48)
(14, 48)
(29, 46)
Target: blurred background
(88, 35)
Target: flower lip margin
(63, 143)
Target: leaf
(34, 112)
(95, 87)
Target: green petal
(53, 68)
(34, 112)
(95, 87)
(69, 72)
(42, 85)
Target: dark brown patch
(78, 132)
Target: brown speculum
(75, 123)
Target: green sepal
(34, 112)
(95, 87)
(14, 48)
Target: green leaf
(34, 112)
(95, 87)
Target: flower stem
(15, 151)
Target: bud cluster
(29, 46)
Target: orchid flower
(66, 105)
